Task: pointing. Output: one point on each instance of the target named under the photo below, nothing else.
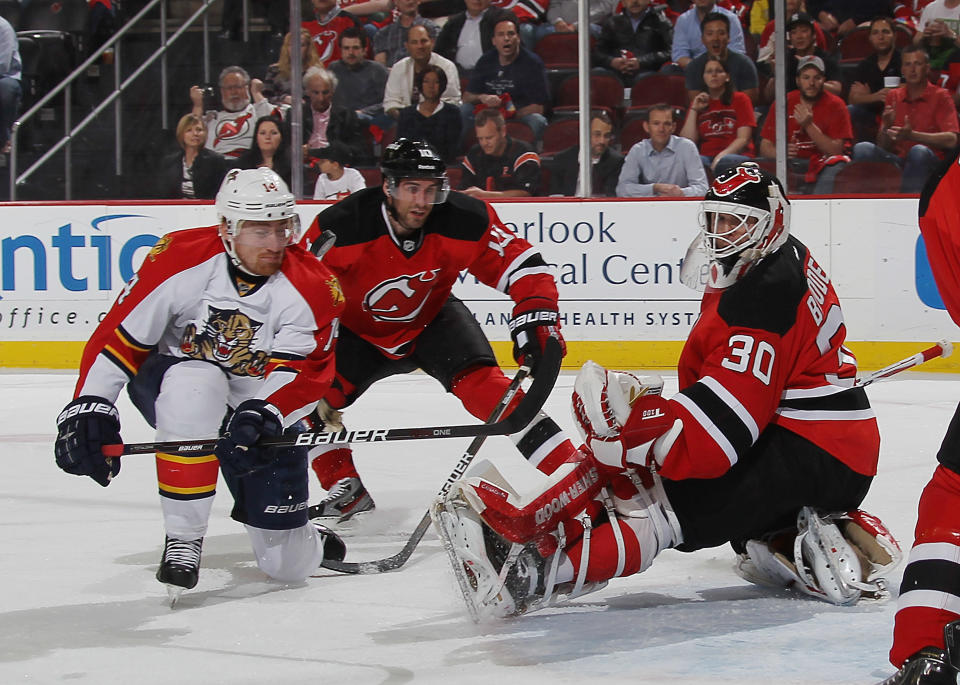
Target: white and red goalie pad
(538, 507)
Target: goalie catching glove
(83, 428)
(236, 450)
(535, 319)
(622, 417)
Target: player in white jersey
(219, 319)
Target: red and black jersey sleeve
(939, 223)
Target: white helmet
(255, 195)
(717, 259)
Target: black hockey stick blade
(522, 414)
(394, 562)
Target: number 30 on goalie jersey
(770, 350)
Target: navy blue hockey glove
(534, 320)
(253, 420)
(83, 428)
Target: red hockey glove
(534, 320)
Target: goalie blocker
(606, 514)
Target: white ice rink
(80, 603)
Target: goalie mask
(406, 158)
(254, 195)
(744, 217)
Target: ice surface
(80, 603)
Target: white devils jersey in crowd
(273, 336)
(231, 133)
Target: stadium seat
(559, 50)
(454, 174)
(655, 87)
(606, 92)
(877, 178)
(11, 10)
(520, 131)
(371, 175)
(855, 46)
(632, 133)
(559, 135)
(55, 15)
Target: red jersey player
(400, 248)
(221, 317)
(768, 441)
(926, 633)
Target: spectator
(193, 173)
(531, 17)
(328, 23)
(562, 16)
(324, 122)
(720, 119)
(843, 16)
(918, 125)
(230, 129)
(511, 78)
(663, 165)
(818, 128)
(432, 120)
(270, 148)
(687, 35)
(10, 69)
(907, 12)
(499, 166)
(336, 180)
(468, 35)
(605, 162)
(278, 79)
(390, 43)
(401, 84)
(939, 30)
(875, 76)
(636, 40)
(765, 45)
(361, 81)
(800, 30)
(716, 37)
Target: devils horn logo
(401, 298)
(742, 177)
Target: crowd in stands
(682, 90)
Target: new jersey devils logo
(401, 298)
(232, 129)
(742, 177)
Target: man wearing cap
(918, 125)
(800, 30)
(818, 129)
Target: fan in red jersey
(400, 248)
(769, 445)
(926, 634)
(222, 318)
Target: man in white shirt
(939, 22)
(336, 181)
(467, 35)
(399, 92)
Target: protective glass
(408, 190)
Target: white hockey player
(220, 318)
(769, 445)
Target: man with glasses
(401, 246)
(227, 320)
(230, 129)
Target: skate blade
(173, 594)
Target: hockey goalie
(769, 444)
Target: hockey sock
(331, 463)
(929, 594)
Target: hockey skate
(180, 566)
(346, 499)
(932, 665)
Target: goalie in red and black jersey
(769, 441)
(400, 248)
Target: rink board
(617, 267)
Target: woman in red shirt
(720, 120)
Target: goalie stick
(941, 349)
(522, 414)
(400, 558)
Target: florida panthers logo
(225, 340)
(401, 298)
(736, 181)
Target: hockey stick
(941, 349)
(522, 414)
(400, 558)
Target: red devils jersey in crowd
(273, 335)
(326, 34)
(394, 287)
(525, 10)
(769, 350)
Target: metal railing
(66, 85)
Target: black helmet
(409, 158)
(414, 159)
(757, 199)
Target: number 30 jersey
(770, 350)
